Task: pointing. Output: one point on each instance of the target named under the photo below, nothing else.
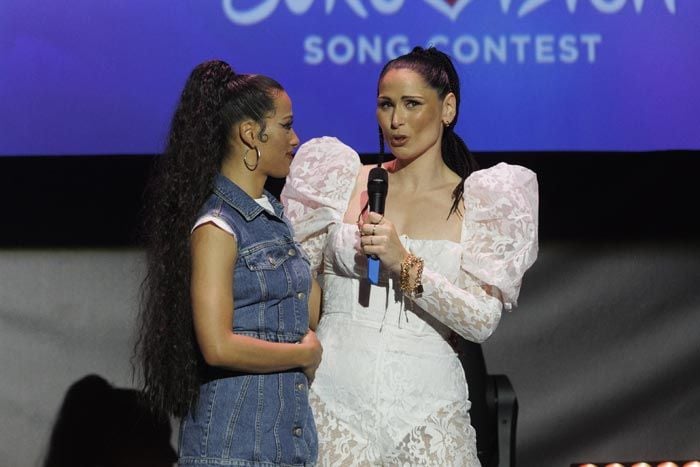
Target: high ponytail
(439, 73)
(213, 101)
(166, 348)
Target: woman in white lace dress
(454, 244)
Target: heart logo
(449, 8)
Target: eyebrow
(402, 97)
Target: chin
(280, 174)
(404, 154)
(398, 150)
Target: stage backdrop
(603, 350)
(102, 77)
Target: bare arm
(214, 253)
(314, 304)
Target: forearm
(214, 253)
(252, 355)
(314, 304)
(465, 308)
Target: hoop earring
(257, 159)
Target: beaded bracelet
(405, 279)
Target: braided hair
(213, 100)
(439, 73)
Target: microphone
(377, 187)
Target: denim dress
(244, 419)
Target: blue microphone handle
(373, 270)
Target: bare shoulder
(210, 243)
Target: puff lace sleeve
(498, 244)
(317, 191)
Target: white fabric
(390, 389)
(217, 221)
(220, 223)
(266, 204)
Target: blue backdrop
(102, 77)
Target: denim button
(292, 252)
(300, 386)
(301, 295)
(297, 431)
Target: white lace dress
(390, 389)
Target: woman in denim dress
(225, 341)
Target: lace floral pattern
(318, 190)
(464, 307)
(441, 440)
(499, 234)
(390, 390)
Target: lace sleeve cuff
(465, 308)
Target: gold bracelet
(407, 264)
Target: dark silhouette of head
(101, 425)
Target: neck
(421, 173)
(252, 182)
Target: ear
(247, 130)
(449, 107)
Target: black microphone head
(377, 181)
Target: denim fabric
(256, 419)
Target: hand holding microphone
(377, 188)
(380, 241)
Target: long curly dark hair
(439, 73)
(214, 99)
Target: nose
(295, 139)
(396, 118)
